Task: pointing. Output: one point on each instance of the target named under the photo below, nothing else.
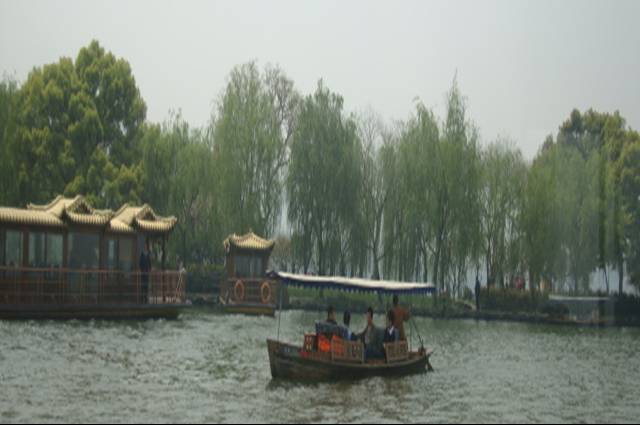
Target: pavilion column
(164, 253)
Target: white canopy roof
(352, 284)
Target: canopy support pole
(280, 287)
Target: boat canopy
(352, 284)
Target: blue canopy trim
(352, 284)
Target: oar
(415, 328)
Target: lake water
(208, 367)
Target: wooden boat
(247, 288)
(288, 361)
(345, 360)
(67, 260)
(91, 312)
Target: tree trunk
(436, 266)
(620, 276)
(376, 269)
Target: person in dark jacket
(391, 334)
(331, 316)
(346, 331)
(372, 338)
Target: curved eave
(116, 226)
(165, 225)
(249, 242)
(252, 247)
(88, 219)
(29, 218)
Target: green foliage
(375, 193)
(9, 169)
(252, 134)
(579, 180)
(434, 216)
(629, 171)
(504, 175)
(512, 300)
(176, 161)
(77, 128)
(347, 194)
(324, 181)
(204, 277)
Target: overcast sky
(523, 66)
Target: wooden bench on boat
(396, 351)
(354, 352)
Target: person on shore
(400, 315)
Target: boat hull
(89, 312)
(290, 362)
(250, 309)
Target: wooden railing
(55, 286)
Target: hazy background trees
(252, 131)
(324, 183)
(345, 193)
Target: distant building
(247, 288)
(67, 259)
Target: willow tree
(431, 220)
(324, 180)
(454, 199)
(541, 233)
(629, 166)
(375, 193)
(592, 132)
(577, 198)
(252, 133)
(412, 217)
(8, 171)
(503, 181)
(461, 178)
(179, 179)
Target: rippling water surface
(207, 367)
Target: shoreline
(210, 301)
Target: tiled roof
(28, 217)
(62, 211)
(249, 241)
(127, 218)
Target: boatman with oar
(400, 315)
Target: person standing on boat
(145, 268)
(400, 315)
